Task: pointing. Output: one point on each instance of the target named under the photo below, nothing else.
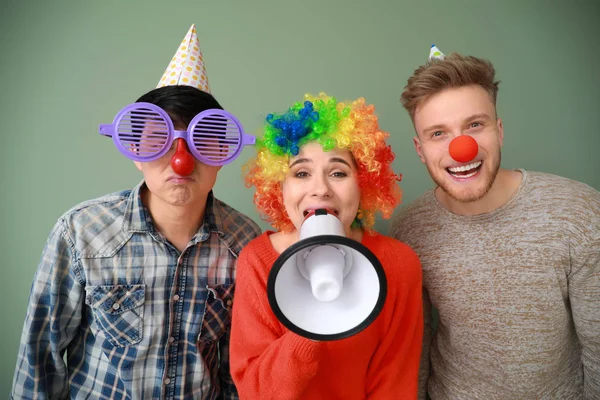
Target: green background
(68, 66)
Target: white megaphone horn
(326, 286)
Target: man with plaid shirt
(134, 289)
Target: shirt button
(176, 297)
(229, 302)
(171, 339)
(116, 306)
(167, 381)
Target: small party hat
(187, 65)
(435, 53)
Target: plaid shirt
(136, 318)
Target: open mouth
(465, 171)
(305, 213)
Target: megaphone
(326, 286)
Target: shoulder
(258, 251)
(396, 257)
(89, 220)
(564, 197)
(238, 228)
(256, 245)
(558, 187)
(255, 260)
(231, 216)
(113, 201)
(413, 216)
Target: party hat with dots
(435, 53)
(187, 65)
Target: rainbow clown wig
(322, 119)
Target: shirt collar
(137, 217)
(212, 220)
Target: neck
(504, 187)
(178, 224)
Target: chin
(465, 196)
(466, 190)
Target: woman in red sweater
(325, 154)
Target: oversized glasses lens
(217, 137)
(143, 131)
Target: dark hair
(182, 103)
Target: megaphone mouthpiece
(321, 222)
(325, 268)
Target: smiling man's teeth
(464, 168)
(467, 175)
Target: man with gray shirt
(511, 258)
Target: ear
(418, 148)
(138, 165)
(500, 131)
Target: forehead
(314, 151)
(452, 106)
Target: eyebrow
(477, 116)
(470, 118)
(331, 160)
(434, 127)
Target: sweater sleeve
(424, 369)
(394, 369)
(584, 292)
(398, 233)
(267, 361)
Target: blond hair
(453, 71)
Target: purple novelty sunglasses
(145, 132)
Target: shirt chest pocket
(118, 312)
(217, 313)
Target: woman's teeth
(305, 213)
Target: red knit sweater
(381, 362)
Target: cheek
(435, 155)
(155, 171)
(287, 193)
(206, 171)
(160, 164)
(292, 191)
(352, 199)
(487, 146)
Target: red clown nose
(463, 148)
(182, 161)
